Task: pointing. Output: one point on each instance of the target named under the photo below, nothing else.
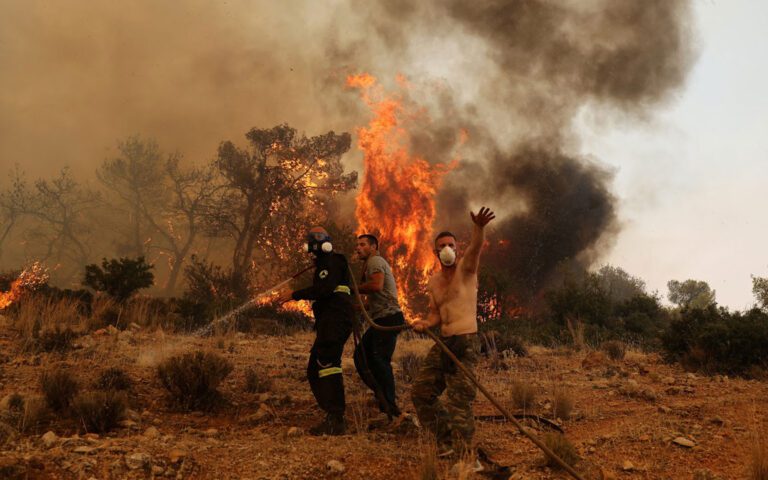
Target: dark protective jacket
(330, 282)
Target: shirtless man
(453, 306)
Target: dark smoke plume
(537, 64)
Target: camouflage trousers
(451, 419)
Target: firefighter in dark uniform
(333, 311)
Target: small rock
(668, 380)
(294, 432)
(211, 432)
(157, 470)
(606, 475)
(134, 327)
(137, 460)
(151, 433)
(84, 450)
(132, 415)
(672, 390)
(627, 466)
(664, 409)
(49, 439)
(644, 438)
(335, 466)
(176, 455)
(684, 442)
(717, 421)
(705, 474)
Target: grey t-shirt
(383, 302)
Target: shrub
(410, 362)
(113, 379)
(561, 447)
(59, 388)
(615, 349)
(100, 412)
(256, 383)
(523, 395)
(55, 340)
(24, 413)
(563, 404)
(119, 279)
(192, 378)
(715, 340)
(504, 341)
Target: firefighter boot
(334, 424)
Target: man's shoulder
(376, 261)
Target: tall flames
(397, 200)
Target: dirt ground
(627, 417)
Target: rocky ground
(636, 418)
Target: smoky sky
(78, 76)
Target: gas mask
(447, 256)
(318, 242)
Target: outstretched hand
(482, 218)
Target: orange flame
(397, 199)
(30, 278)
(302, 306)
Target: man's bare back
(453, 289)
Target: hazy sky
(693, 182)
(690, 178)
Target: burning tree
(272, 192)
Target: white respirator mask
(447, 256)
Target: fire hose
(207, 329)
(511, 418)
(565, 466)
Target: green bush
(192, 379)
(119, 279)
(714, 340)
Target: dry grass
(256, 382)
(59, 388)
(192, 379)
(758, 468)
(41, 318)
(563, 403)
(523, 395)
(429, 468)
(25, 414)
(104, 312)
(100, 412)
(113, 378)
(615, 349)
(561, 447)
(408, 356)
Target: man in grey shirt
(373, 356)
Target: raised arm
(471, 261)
